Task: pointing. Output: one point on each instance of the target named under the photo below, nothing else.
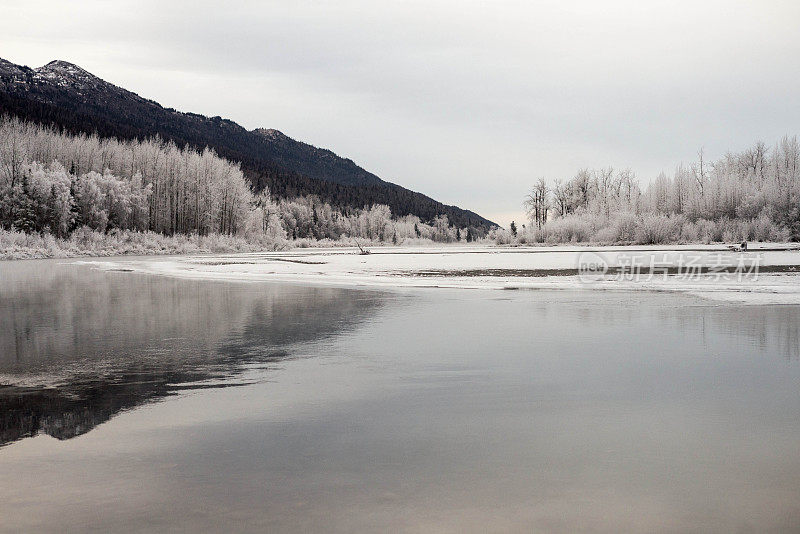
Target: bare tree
(536, 203)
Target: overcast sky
(468, 102)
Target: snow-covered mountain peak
(66, 73)
(270, 133)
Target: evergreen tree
(75, 218)
(25, 213)
(51, 212)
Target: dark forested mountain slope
(66, 96)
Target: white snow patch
(487, 268)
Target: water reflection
(437, 410)
(78, 345)
(773, 328)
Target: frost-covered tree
(753, 194)
(54, 182)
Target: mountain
(68, 97)
(318, 163)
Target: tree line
(262, 167)
(55, 182)
(753, 194)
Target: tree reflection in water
(78, 345)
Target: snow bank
(761, 275)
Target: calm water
(138, 403)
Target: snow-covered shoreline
(769, 275)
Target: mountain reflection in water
(78, 345)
